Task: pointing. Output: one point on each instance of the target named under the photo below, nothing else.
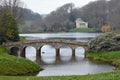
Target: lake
(80, 66)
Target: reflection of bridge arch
(38, 44)
(65, 50)
(30, 51)
(48, 54)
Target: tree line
(97, 14)
(102, 12)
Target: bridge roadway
(12, 47)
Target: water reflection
(80, 67)
(30, 53)
(71, 36)
(48, 54)
(65, 53)
(80, 52)
(77, 68)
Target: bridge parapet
(46, 41)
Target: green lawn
(102, 76)
(82, 30)
(112, 57)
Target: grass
(112, 57)
(102, 76)
(3, 50)
(11, 65)
(22, 38)
(82, 30)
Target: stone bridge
(38, 44)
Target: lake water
(80, 66)
(71, 36)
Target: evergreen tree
(8, 28)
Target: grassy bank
(82, 30)
(11, 65)
(112, 57)
(102, 76)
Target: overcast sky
(46, 6)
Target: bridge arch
(80, 50)
(65, 53)
(23, 50)
(48, 53)
(14, 51)
(46, 46)
(30, 53)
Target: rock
(105, 42)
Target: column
(86, 49)
(73, 55)
(38, 56)
(22, 52)
(19, 53)
(57, 56)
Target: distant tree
(8, 28)
(61, 19)
(113, 17)
(95, 14)
(31, 16)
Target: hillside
(13, 66)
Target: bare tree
(113, 17)
(61, 19)
(15, 7)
